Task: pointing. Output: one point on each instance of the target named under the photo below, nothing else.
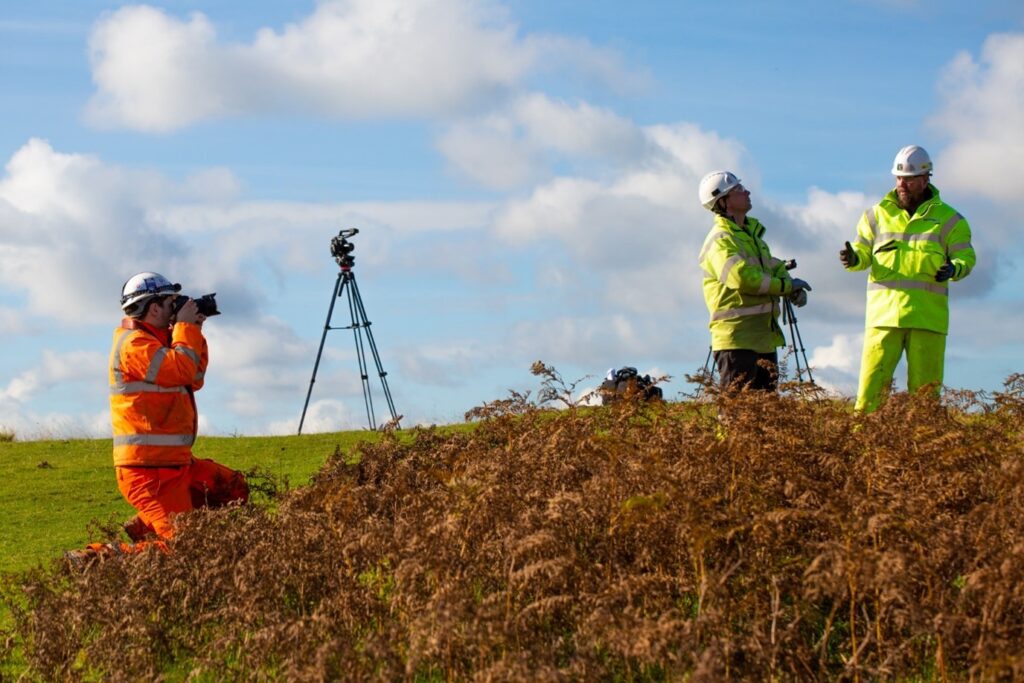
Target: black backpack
(628, 380)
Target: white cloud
(30, 425)
(322, 416)
(348, 59)
(75, 229)
(843, 353)
(450, 364)
(12, 320)
(982, 113)
(56, 370)
(508, 149)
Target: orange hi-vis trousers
(160, 493)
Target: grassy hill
(52, 491)
(793, 539)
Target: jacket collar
(164, 336)
(753, 226)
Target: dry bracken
(795, 540)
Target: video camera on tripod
(341, 248)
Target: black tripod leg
(373, 349)
(358, 323)
(807, 364)
(323, 337)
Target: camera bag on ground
(628, 382)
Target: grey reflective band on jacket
(710, 242)
(741, 312)
(934, 288)
(727, 267)
(910, 237)
(865, 242)
(145, 387)
(148, 385)
(766, 284)
(949, 225)
(154, 440)
(154, 364)
(958, 246)
(188, 352)
(869, 215)
(115, 359)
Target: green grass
(51, 491)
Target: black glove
(848, 256)
(799, 285)
(945, 272)
(799, 298)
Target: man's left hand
(800, 285)
(945, 272)
(799, 298)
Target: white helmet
(714, 185)
(910, 161)
(144, 286)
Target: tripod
(789, 318)
(360, 326)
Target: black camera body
(341, 248)
(206, 304)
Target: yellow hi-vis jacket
(904, 252)
(742, 286)
(153, 375)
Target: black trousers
(739, 368)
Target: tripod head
(341, 248)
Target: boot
(81, 560)
(136, 529)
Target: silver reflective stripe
(707, 273)
(949, 225)
(145, 387)
(154, 440)
(115, 358)
(958, 246)
(741, 312)
(727, 268)
(867, 243)
(869, 215)
(710, 242)
(910, 237)
(199, 376)
(934, 288)
(154, 364)
(774, 262)
(188, 352)
(766, 284)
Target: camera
(206, 304)
(341, 248)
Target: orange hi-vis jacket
(153, 374)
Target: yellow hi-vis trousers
(883, 346)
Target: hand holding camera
(188, 310)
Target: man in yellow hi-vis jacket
(742, 287)
(914, 244)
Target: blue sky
(523, 175)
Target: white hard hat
(144, 286)
(714, 185)
(910, 161)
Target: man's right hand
(189, 313)
(848, 256)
